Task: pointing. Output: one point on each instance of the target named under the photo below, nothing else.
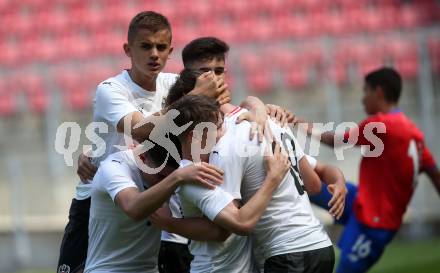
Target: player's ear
(170, 51)
(127, 51)
(192, 137)
(380, 94)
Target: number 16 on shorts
(360, 249)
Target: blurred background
(309, 56)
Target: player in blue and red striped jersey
(374, 209)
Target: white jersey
(117, 243)
(235, 254)
(114, 99)
(288, 224)
(210, 257)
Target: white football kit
(115, 98)
(288, 224)
(235, 254)
(117, 243)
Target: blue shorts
(361, 246)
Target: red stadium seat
(78, 98)
(293, 27)
(297, 77)
(407, 67)
(38, 102)
(337, 73)
(408, 16)
(251, 62)
(10, 54)
(259, 82)
(8, 104)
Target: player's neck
(388, 108)
(147, 83)
(227, 108)
(186, 154)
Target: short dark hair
(158, 154)
(195, 109)
(202, 49)
(183, 85)
(389, 80)
(149, 20)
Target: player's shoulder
(116, 83)
(167, 79)
(122, 159)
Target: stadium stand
(46, 33)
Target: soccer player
(121, 103)
(120, 237)
(235, 254)
(247, 173)
(376, 206)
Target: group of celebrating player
(231, 185)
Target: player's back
(288, 224)
(118, 243)
(387, 182)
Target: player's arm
(312, 183)
(139, 205)
(194, 228)
(334, 178)
(434, 175)
(258, 115)
(327, 137)
(139, 126)
(242, 220)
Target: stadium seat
(296, 77)
(78, 98)
(288, 27)
(337, 73)
(407, 66)
(10, 55)
(8, 104)
(259, 82)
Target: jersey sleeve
(169, 79)
(428, 161)
(112, 103)
(312, 161)
(361, 140)
(210, 202)
(114, 176)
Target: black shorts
(174, 258)
(73, 251)
(314, 261)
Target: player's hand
(161, 218)
(277, 163)
(209, 85)
(224, 95)
(203, 174)
(337, 203)
(86, 170)
(279, 114)
(259, 125)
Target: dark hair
(202, 49)
(183, 85)
(150, 20)
(195, 109)
(158, 154)
(389, 80)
